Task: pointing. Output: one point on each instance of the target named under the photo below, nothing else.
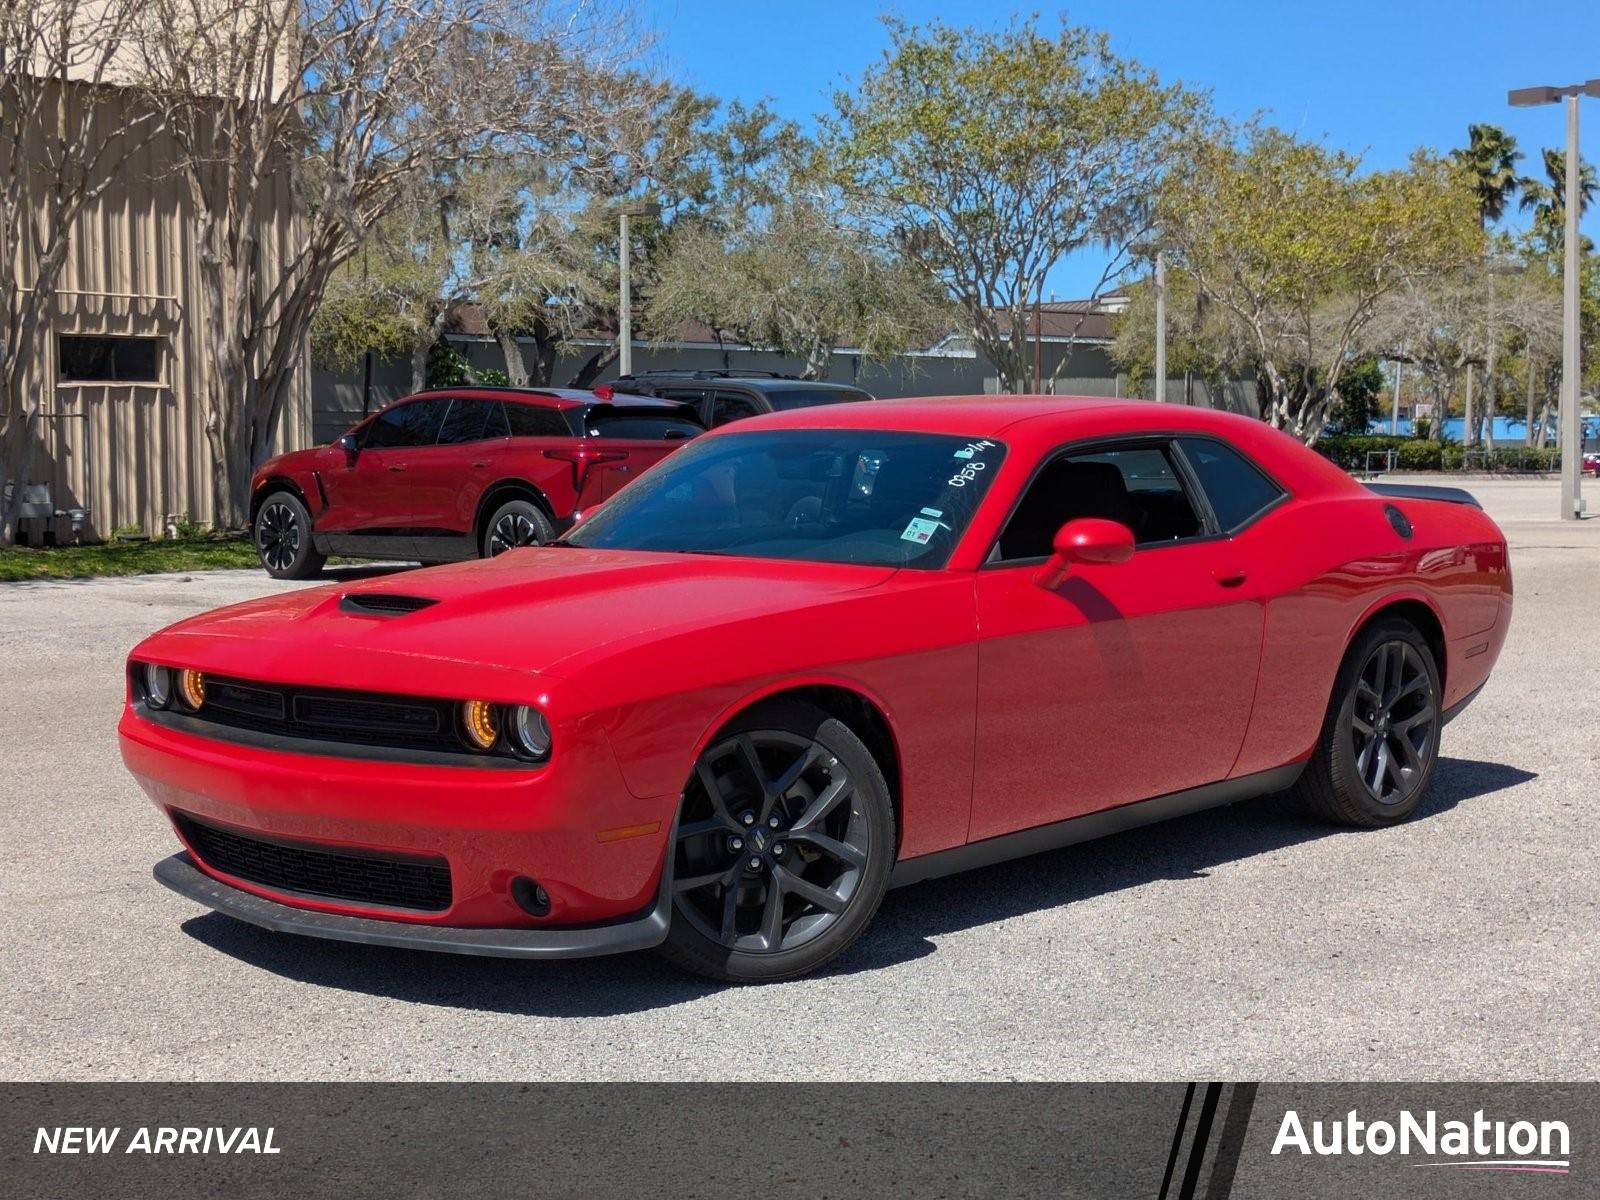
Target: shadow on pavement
(1186, 848)
(367, 571)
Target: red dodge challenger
(810, 657)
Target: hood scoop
(383, 604)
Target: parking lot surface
(1246, 942)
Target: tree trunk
(817, 360)
(516, 365)
(1528, 430)
(594, 366)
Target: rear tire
(515, 523)
(1379, 744)
(282, 534)
(783, 847)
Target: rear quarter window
(651, 424)
(1239, 491)
(531, 420)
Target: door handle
(484, 463)
(397, 467)
(1229, 578)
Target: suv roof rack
(692, 373)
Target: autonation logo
(1480, 1144)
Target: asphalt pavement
(1243, 943)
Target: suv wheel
(283, 538)
(516, 523)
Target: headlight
(157, 685)
(480, 724)
(191, 689)
(530, 732)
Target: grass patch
(126, 558)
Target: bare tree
(356, 101)
(61, 147)
(1445, 324)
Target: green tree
(1360, 393)
(780, 259)
(1299, 246)
(1548, 199)
(1203, 341)
(992, 156)
(1490, 161)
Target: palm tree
(1490, 161)
(1549, 199)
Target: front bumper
(640, 933)
(571, 826)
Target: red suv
(457, 473)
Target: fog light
(157, 685)
(191, 688)
(530, 731)
(479, 723)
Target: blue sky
(1380, 78)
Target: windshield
(822, 495)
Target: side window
(531, 420)
(466, 420)
(496, 425)
(1136, 486)
(1236, 487)
(640, 423)
(409, 423)
(731, 406)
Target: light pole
(1571, 364)
(630, 208)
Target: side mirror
(349, 445)
(1086, 540)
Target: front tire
(282, 534)
(1379, 745)
(515, 523)
(783, 849)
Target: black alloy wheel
(782, 850)
(1394, 723)
(283, 538)
(1379, 744)
(516, 523)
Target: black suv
(723, 396)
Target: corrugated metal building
(120, 371)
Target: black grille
(383, 604)
(313, 870)
(311, 714)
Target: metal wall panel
(135, 453)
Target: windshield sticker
(972, 453)
(920, 531)
(933, 512)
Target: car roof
(560, 398)
(1032, 425)
(764, 382)
(976, 416)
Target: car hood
(492, 622)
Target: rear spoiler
(1424, 491)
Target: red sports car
(457, 473)
(810, 657)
